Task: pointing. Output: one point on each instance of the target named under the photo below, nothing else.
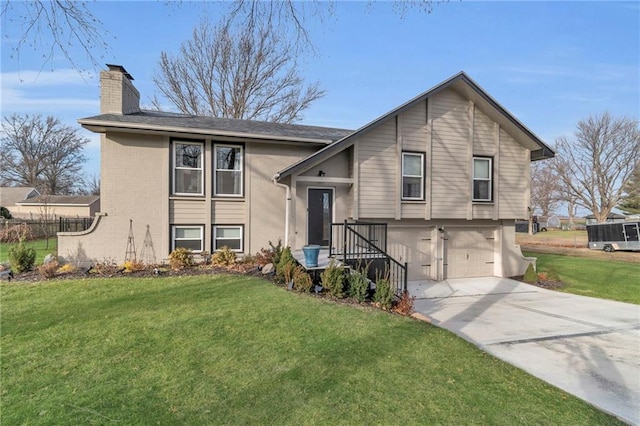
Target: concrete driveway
(585, 346)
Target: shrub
(224, 257)
(133, 266)
(276, 252)
(5, 213)
(48, 270)
(22, 257)
(405, 304)
(181, 258)
(383, 295)
(16, 233)
(530, 275)
(285, 266)
(333, 279)
(301, 280)
(67, 268)
(358, 284)
(106, 267)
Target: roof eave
(100, 126)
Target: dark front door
(320, 214)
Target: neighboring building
(10, 195)
(447, 171)
(611, 218)
(56, 206)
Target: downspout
(286, 207)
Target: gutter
(286, 206)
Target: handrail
(357, 246)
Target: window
(228, 173)
(412, 176)
(188, 237)
(482, 175)
(229, 236)
(187, 173)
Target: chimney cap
(121, 69)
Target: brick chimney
(118, 95)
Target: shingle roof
(166, 121)
(10, 195)
(80, 200)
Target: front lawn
(239, 350)
(38, 245)
(591, 277)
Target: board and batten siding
(513, 173)
(450, 174)
(378, 172)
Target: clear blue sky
(549, 63)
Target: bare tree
(41, 152)
(598, 162)
(544, 188)
(55, 27)
(631, 199)
(247, 72)
(93, 186)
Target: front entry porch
(323, 259)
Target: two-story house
(448, 172)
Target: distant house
(55, 206)
(446, 173)
(10, 195)
(612, 218)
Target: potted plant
(311, 253)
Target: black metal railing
(364, 245)
(74, 224)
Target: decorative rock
(50, 258)
(267, 269)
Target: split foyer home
(446, 173)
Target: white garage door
(468, 253)
(414, 246)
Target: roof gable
(463, 85)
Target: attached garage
(469, 252)
(415, 245)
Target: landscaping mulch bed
(159, 271)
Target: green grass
(238, 350)
(38, 245)
(592, 277)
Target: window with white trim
(482, 179)
(187, 168)
(228, 170)
(412, 176)
(187, 236)
(227, 236)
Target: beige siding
(483, 211)
(413, 123)
(378, 174)
(483, 135)
(182, 211)
(513, 174)
(451, 174)
(412, 210)
(228, 212)
(336, 166)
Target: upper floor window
(412, 176)
(482, 179)
(228, 170)
(187, 172)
